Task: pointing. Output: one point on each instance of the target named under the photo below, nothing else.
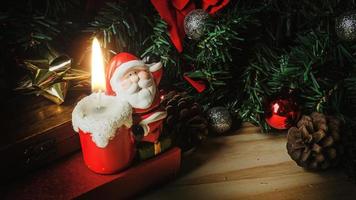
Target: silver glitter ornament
(194, 23)
(219, 119)
(345, 26)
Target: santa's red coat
(151, 119)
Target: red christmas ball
(282, 113)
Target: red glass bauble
(282, 113)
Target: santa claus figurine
(136, 82)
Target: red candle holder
(115, 157)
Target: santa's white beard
(139, 95)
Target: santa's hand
(138, 132)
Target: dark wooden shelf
(70, 178)
(35, 132)
(27, 116)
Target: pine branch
(41, 29)
(30, 25)
(211, 56)
(120, 27)
(214, 47)
(255, 89)
(284, 19)
(159, 44)
(312, 67)
(52, 8)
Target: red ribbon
(173, 13)
(197, 84)
(213, 6)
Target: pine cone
(315, 142)
(185, 120)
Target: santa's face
(137, 86)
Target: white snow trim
(155, 66)
(152, 118)
(101, 124)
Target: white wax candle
(102, 122)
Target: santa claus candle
(136, 82)
(106, 141)
(103, 124)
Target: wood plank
(251, 166)
(36, 132)
(25, 117)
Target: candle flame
(97, 68)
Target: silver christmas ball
(345, 26)
(194, 23)
(219, 119)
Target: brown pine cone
(185, 120)
(315, 142)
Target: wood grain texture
(35, 132)
(25, 117)
(251, 165)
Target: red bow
(212, 6)
(198, 85)
(173, 13)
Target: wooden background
(251, 165)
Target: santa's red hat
(120, 64)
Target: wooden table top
(251, 165)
